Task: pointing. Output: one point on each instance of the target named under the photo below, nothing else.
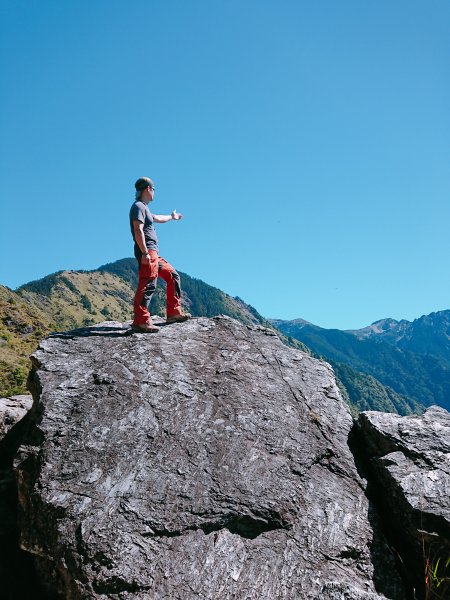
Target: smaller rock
(12, 410)
(16, 570)
(410, 458)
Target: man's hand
(174, 216)
(145, 260)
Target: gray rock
(206, 461)
(16, 572)
(410, 457)
(12, 410)
(12, 413)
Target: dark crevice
(246, 526)
(352, 553)
(115, 585)
(70, 335)
(322, 459)
(384, 524)
(101, 379)
(164, 533)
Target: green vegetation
(42, 286)
(85, 302)
(437, 577)
(126, 269)
(106, 313)
(367, 393)
(13, 378)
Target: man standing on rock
(151, 265)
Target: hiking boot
(145, 327)
(178, 318)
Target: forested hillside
(393, 355)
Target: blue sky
(307, 145)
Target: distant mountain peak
(377, 327)
(385, 323)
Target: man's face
(149, 193)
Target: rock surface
(207, 461)
(410, 457)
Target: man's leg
(172, 279)
(145, 289)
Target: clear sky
(307, 144)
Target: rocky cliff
(207, 461)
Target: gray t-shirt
(139, 212)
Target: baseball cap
(142, 183)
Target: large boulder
(206, 461)
(410, 467)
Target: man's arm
(138, 227)
(164, 218)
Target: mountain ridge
(69, 299)
(412, 358)
(428, 334)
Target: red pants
(148, 276)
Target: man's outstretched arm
(174, 216)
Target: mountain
(411, 358)
(70, 299)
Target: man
(151, 265)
